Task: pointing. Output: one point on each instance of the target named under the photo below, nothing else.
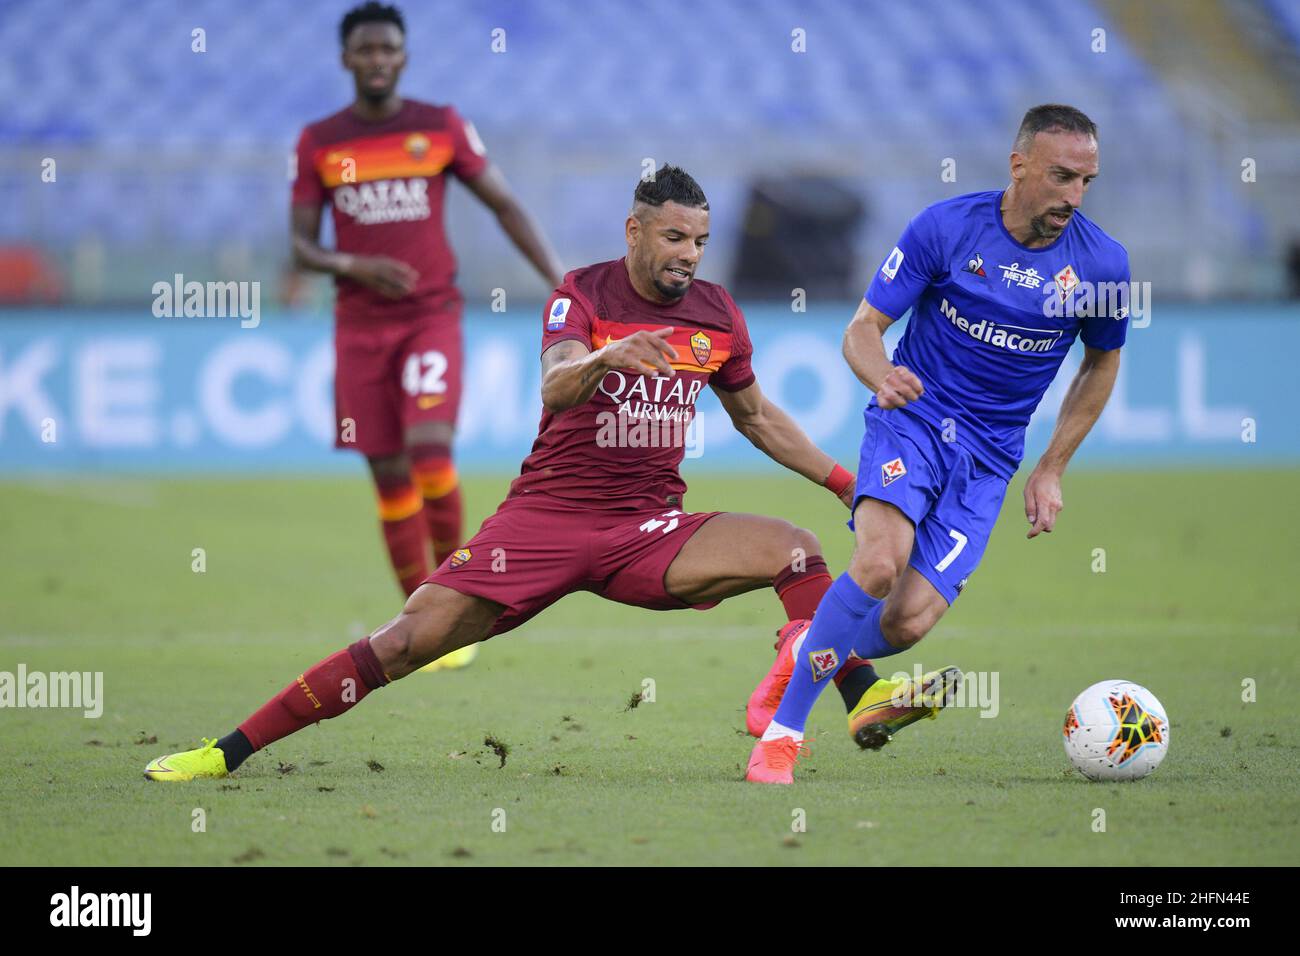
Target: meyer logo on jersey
(1010, 338)
(1023, 278)
(384, 200)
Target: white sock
(797, 646)
(775, 730)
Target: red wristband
(839, 480)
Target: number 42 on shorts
(422, 373)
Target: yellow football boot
(887, 706)
(205, 762)
(461, 657)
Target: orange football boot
(766, 697)
(772, 761)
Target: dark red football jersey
(386, 182)
(622, 448)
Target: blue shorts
(952, 500)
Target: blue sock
(836, 628)
(870, 642)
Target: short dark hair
(1052, 118)
(370, 12)
(670, 184)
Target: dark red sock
(408, 551)
(444, 516)
(400, 516)
(325, 690)
(801, 591)
(435, 476)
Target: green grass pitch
(1198, 595)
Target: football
(1116, 730)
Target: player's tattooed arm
(387, 276)
(569, 375)
(571, 372)
(493, 191)
(773, 432)
(1084, 401)
(864, 350)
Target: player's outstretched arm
(493, 191)
(387, 276)
(1083, 403)
(773, 432)
(571, 372)
(864, 350)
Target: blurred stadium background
(169, 161)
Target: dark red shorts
(537, 548)
(390, 376)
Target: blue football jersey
(992, 319)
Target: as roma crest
(459, 557)
(701, 347)
(417, 144)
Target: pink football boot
(767, 695)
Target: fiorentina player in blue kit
(1000, 284)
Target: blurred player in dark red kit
(382, 164)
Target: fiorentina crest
(824, 663)
(891, 471)
(1066, 281)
